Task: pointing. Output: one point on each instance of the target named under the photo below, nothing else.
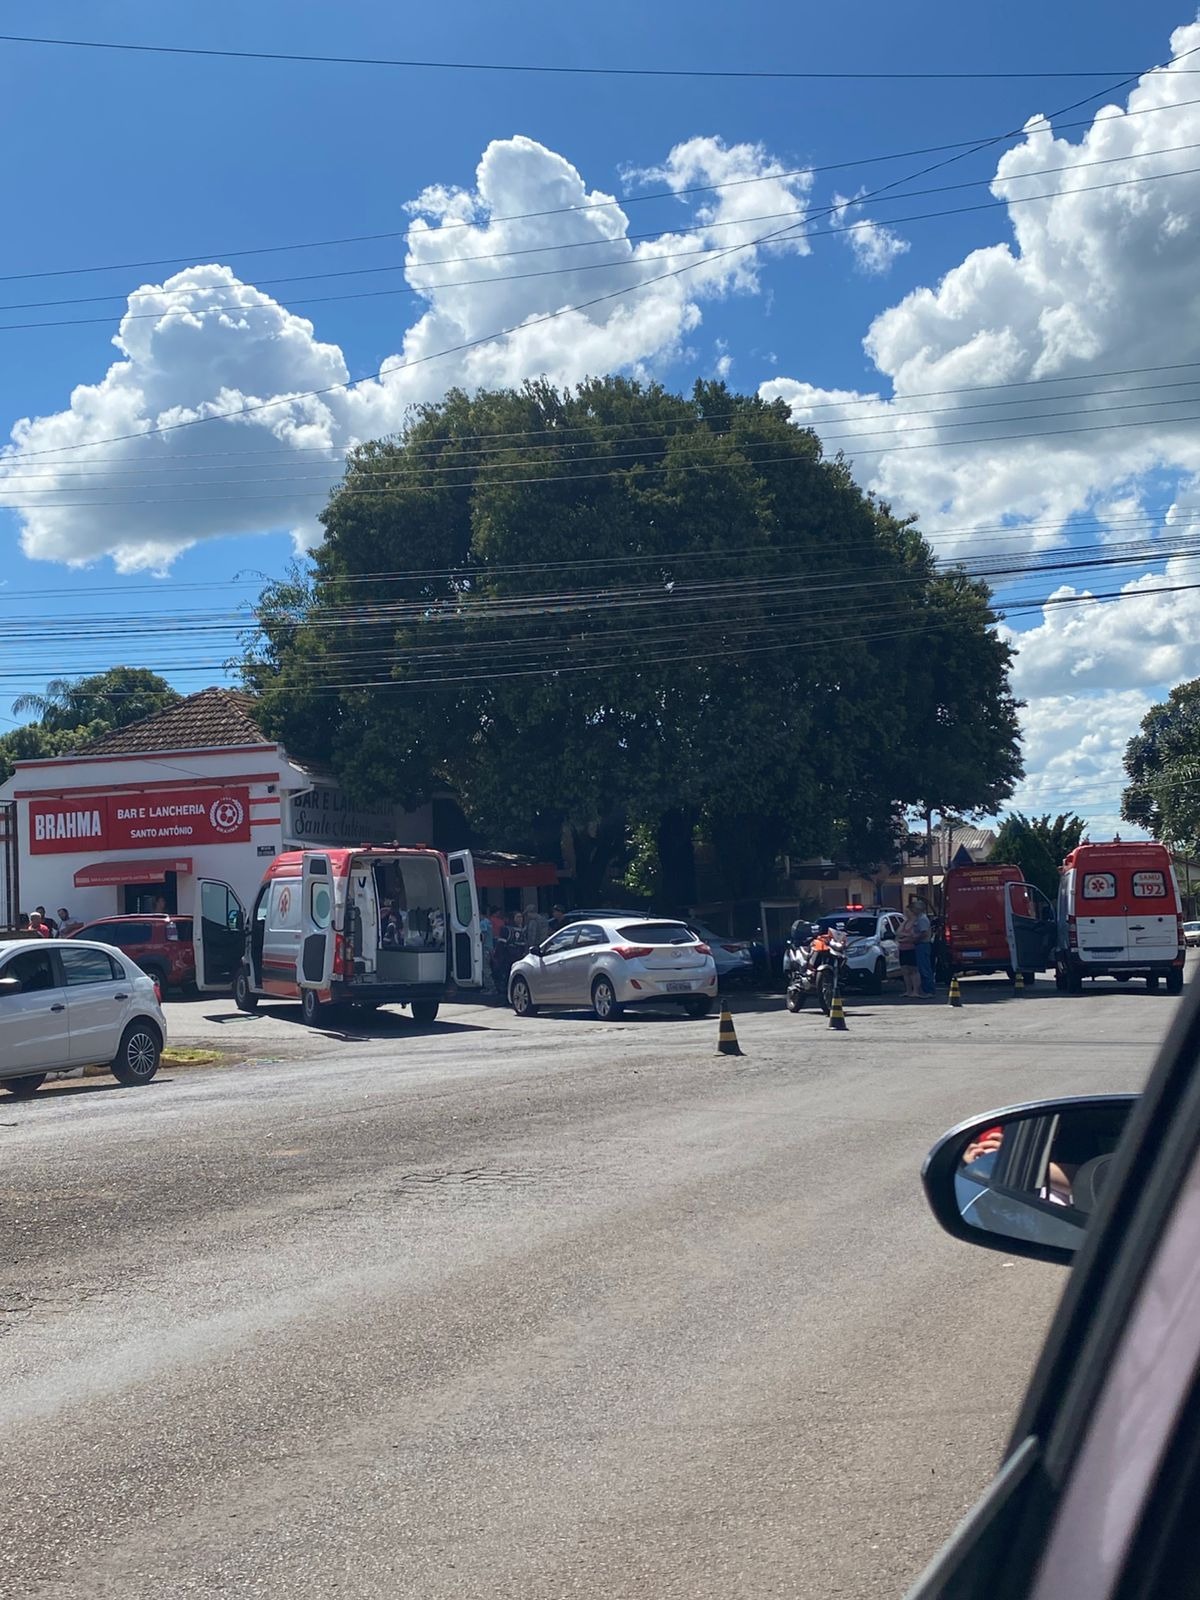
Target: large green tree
(72, 711)
(1038, 845)
(619, 608)
(1163, 764)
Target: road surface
(528, 1309)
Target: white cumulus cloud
(874, 245)
(205, 342)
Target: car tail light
(343, 961)
(703, 949)
(735, 949)
(172, 931)
(632, 952)
(1179, 935)
(1072, 934)
(634, 984)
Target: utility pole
(929, 858)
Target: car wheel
(23, 1088)
(244, 997)
(425, 1010)
(1073, 982)
(604, 1000)
(1152, 982)
(875, 980)
(1175, 981)
(1029, 978)
(138, 1054)
(521, 999)
(1121, 977)
(697, 1008)
(311, 1008)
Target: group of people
(915, 938)
(507, 938)
(38, 925)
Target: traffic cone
(727, 1044)
(837, 1014)
(1019, 983)
(955, 991)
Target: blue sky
(125, 158)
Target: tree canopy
(1163, 764)
(74, 710)
(620, 609)
(1038, 845)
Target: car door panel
(97, 1001)
(579, 964)
(34, 1032)
(547, 977)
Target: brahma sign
(139, 821)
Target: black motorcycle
(815, 965)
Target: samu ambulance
(1119, 915)
(369, 927)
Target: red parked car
(161, 945)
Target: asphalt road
(534, 1309)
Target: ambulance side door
(317, 934)
(466, 960)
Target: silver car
(612, 963)
(734, 957)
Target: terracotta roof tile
(212, 719)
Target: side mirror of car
(535, 950)
(9, 986)
(1026, 1180)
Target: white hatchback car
(613, 963)
(65, 1005)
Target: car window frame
(66, 955)
(597, 936)
(568, 937)
(51, 955)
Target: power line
(557, 434)
(415, 64)
(209, 253)
(288, 475)
(582, 477)
(1160, 546)
(630, 238)
(552, 316)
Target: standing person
(537, 927)
(906, 939)
(48, 923)
(923, 929)
(37, 927)
(67, 924)
(556, 918)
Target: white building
(196, 791)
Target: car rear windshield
(657, 933)
(857, 927)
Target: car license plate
(969, 953)
(679, 988)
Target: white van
(375, 926)
(1120, 916)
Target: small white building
(196, 791)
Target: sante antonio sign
(138, 821)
